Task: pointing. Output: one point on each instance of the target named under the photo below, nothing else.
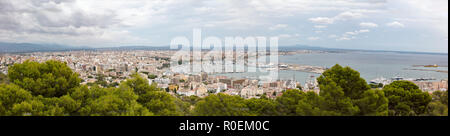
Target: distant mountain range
(30, 47)
(134, 48)
(306, 47)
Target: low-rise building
(185, 92)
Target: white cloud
(332, 36)
(204, 9)
(285, 36)
(364, 31)
(278, 26)
(344, 39)
(350, 35)
(290, 7)
(313, 38)
(431, 14)
(357, 32)
(322, 20)
(348, 15)
(209, 25)
(320, 26)
(288, 35)
(71, 22)
(368, 25)
(103, 22)
(395, 24)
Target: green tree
(439, 104)
(444, 98)
(287, 103)
(294, 102)
(193, 99)
(114, 84)
(311, 106)
(35, 108)
(334, 100)
(117, 102)
(440, 96)
(346, 93)
(184, 107)
(54, 106)
(42, 106)
(151, 76)
(85, 95)
(221, 105)
(101, 80)
(49, 79)
(373, 103)
(347, 79)
(406, 99)
(261, 107)
(140, 85)
(11, 95)
(161, 103)
(437, 109)
(3, 79)
(380, 85)
(157, 101)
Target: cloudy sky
(406, 25)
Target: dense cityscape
(113, 67)
(224, 67)
(142, 83)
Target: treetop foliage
(405, 98)
(53, 89)
(49, 79)
(347, 79)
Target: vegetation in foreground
(53, 89)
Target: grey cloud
(8, 23)
(47, 17)
(39, 2)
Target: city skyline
(403, 25)
(124, 83)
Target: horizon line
(312, 46)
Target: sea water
(371, 65)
